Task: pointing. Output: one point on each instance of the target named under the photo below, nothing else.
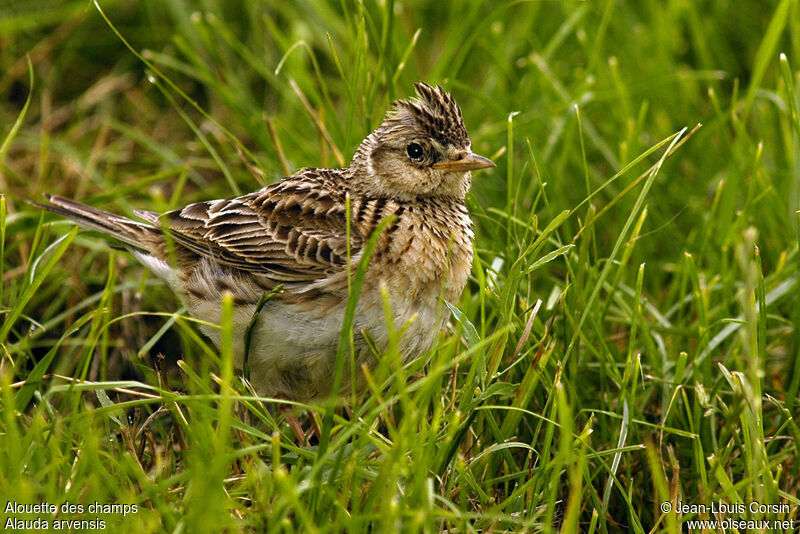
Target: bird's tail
(132, 233)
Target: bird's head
(420, 149)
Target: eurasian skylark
(415, 166)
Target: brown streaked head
(421, 148)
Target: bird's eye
(414, 151)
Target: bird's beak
(465, 162)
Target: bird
(290, 238)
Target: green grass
(630, 333)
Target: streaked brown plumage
(415, 166)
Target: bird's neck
(361, 158)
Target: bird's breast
(427, 252)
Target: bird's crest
(435, 112)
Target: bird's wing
(293, 231)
